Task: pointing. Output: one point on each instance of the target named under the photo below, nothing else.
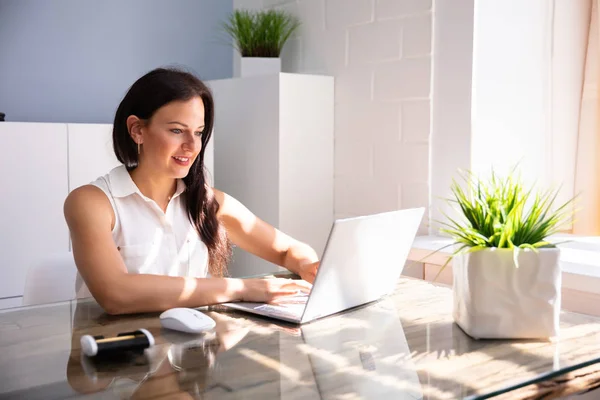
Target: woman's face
(172, 138)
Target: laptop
(362, 261)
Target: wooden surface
(569, 384)
(402, 347)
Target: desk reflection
(368, 358)
(362, 353)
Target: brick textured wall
(380, 53)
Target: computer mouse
(186, 320)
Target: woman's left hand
(308, 272)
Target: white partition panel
(91, 153)
(33, 177)
(306, 158)
(246, 153)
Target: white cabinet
(273, 140)
(91, 153)
(33, 178)
(40, 163)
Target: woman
(152, 235)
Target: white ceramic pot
(494, 299)
(251, 66)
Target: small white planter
(493, 299)
(251, 66)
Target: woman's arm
(90, 219)
(256, 236)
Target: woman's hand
(272, 289)
(308, 272)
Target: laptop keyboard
(280, 311)
(293, 310)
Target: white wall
(66, 62)
(504, 88)
(379, 52)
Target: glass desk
(404, 346)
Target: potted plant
(259, 37)
(506, 272)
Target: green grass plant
(260, 33)
(502, 213)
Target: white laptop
(362, 261)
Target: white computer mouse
(186, 320)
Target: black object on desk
(127, 342)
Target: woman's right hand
(270, 290)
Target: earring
(138, 148)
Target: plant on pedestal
(259, 37)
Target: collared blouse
(151, 241)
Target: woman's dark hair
(149, 93)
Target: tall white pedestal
(273, 152)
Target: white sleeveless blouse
(151, 241)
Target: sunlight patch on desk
(334, 328)
(261, 330)
(284, 370)
(405, 379)
(433, 393)
(501, 372)
(457, 364)
(394, 359)
(573, 332)
(334, 359)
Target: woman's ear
(134, 127)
